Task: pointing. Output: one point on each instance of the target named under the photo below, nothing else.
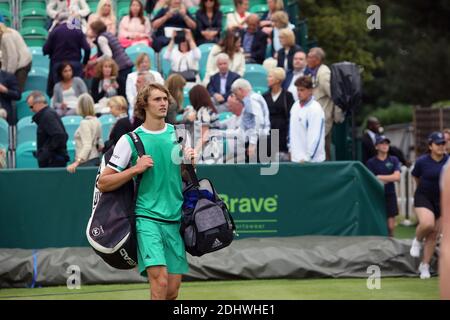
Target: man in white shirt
(307, 125)
(255, 122)
(299, 67)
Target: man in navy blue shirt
(387, 169)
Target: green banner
(50, 208)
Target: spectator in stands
(387, 169)
(118, 106)
(88, 136)
(447, 140)
(104, 84)
(67, 91)
(219, 86)
(63, 44)
(266, 23)
(175, 84)
(444, 252)
(279, 101)
(199, 117)
(231, 45)
(135, 28)
(427, 203)
(369, 138)
(105, 13)
(16, 58)
(9, 91)
(51, 136)
(76, 8)
(254, 41)
(209, 22)
(255, 118)
(143, 65)
(109, 47)
(306, 126)
(237, 19)
(321, 75)
(280, 21)
(285, 55)
(299, 68)
(174, 16)
(185, 56)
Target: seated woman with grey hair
(88, 136)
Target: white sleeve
(121, 155)
(130, 87)
(315, 124)
(104, 47)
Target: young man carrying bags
(161, 252)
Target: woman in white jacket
(88, 136)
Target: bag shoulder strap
(180, 132)
(137, 143)
(141, 151)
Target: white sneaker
(415, 248)
(424, 270)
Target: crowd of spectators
(88, 55)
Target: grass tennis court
(311, 289)
(304, 289)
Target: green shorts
(160, 244)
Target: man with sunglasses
(51, 136)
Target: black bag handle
(141, 151)
(180, 131)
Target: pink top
(133, 28)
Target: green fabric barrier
(50, 207)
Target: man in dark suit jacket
(254, 41)
(219, 86)
(9, 91)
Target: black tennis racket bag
(111, 230)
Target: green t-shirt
(160, 191)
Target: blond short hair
(278, 73)
(119, 102)
(85, 105)
(281, 18)
(289, 35)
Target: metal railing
(405, 196)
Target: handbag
(190, 75)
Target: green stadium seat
(24, 155)
(6, 12)
(34, 4)
(186, 100)
(193, 10)
(107, 121)
(71, 124)
(164, 63)
(205, 49)
(259, 9)
(226, 9)
(4, 134)
(122, 10)
(92, 5)
(33, 17)
(39, 60)
(26, 131)
(227, 2)
(71, 149)
(256, 74)
(137, 49)
(225, 115)
(34, 36)
(37, 79)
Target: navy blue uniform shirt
(384, 168)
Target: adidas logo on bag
(216, 243)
